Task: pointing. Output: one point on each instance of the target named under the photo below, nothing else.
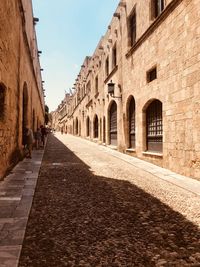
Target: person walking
(38, 138)
(44, 133)
(29, 142)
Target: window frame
(107, 66)
(154, 127)
(150, 75)
(132, 27)
(157, 7)
(114, 56)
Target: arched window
(96, 126)
(131, 122)
(88, 127)
(154, 126)
(2, 101)
(76, 127)
(113, 124)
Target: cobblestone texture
(92, 209)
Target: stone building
(21, 93)
(60, 115)
(140, 90)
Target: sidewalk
(16, 195)
(184, 182)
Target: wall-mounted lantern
(35, 20)
(111, 90)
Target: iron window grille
(154, 126)
(132, 124)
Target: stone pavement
(16, 195)
(182, 181)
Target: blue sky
(68, 31)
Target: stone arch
(96, 126)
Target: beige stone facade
(21, 93)
(151, 52)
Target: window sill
(151, 153)
(130, 150)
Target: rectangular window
(157, 6)
(132, 28)
(96, 85)
(151, 74)
(114, 56)
(107, 67)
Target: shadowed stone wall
(21, 95)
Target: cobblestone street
(93, 209)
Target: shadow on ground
(79, 219)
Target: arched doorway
(96, 126)
(24, 111)
(76, 126)
(113, 124)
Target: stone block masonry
(21, 94)
(151, 54)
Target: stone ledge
(149, 153)
(131, 150)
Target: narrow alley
(92, 208)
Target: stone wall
(169, 43)
(20, 79)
